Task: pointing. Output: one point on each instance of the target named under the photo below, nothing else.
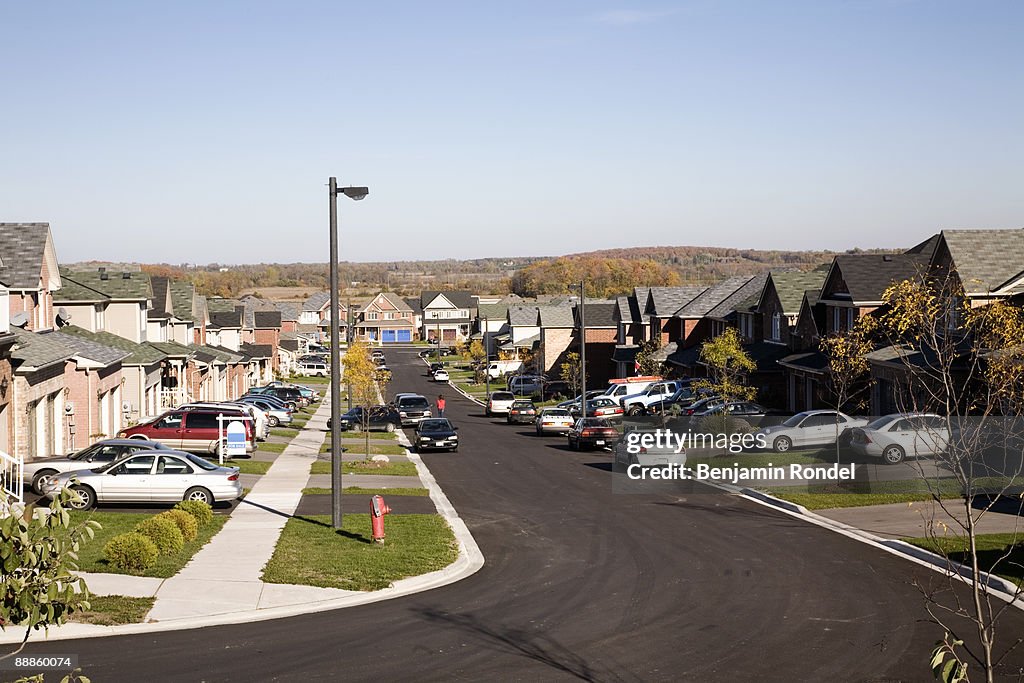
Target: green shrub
(164, 532)
(187, 524)
(132, 552)
(198, 509)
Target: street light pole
(583, 350)
(355, 193)
(487, 362)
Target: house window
(849, 318)
(776, 326)
(389, 316)
(372, 315)
(835, 319)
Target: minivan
(195, 430)
(312, 369)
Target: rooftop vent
(887, 257)
(126, 276)
(104, 275)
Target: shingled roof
(226, 318)
(986, 260)
(33, 351)
(110, 284)
(493, 311)
(522, 315)
(263, 320)
(23, 248)
(742, 299)
(138, 354)
(91, 350)
(699, 306)
(557, 316)
(665, 301)
(600, 314)
(316, 301)
(867, 276)
(460, 298)
(790, 287)
(290, 310)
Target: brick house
(600, 335)
(556, 331)
(387, 319)
(448, 314)
(38, 363)
(92, 383)
(29, 271)
(660, 308)
(6, 374)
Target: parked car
(434, 367)
(277, 414)
(553, 420)
(292, 397)
(683, 397)
(524, 385)
(312, 369)
(381, 419)
(500, 368)
(599, 406)
(436, 434)
(412, 408)
(259, 418)
(593, 393)
(592, 432)
(630, 451)
(521, 412)
(152, 476)
(35, 473)
(196, 431)
(637, 403)
(440, 375)
(702, 405)
(619, 388)
(499, 403)
(811, 428)
(895, 437)
(377, 356)
(735, 408)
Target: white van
(620, 388)
(499, 368)
(312, 369)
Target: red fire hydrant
(378, 508)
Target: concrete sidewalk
(919, 519)
(225, 575)
(222, 583)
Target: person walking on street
(440, 405)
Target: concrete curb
(469, 561)
(460, 391)
(997, 586)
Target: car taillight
(233, 476)
(865, 437)
(643, 450)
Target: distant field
(282, 293)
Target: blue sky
(206, 131)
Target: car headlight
(424, 438)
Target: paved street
(580, 583)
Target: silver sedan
(36, 472)
(153, 476)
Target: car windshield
(596, 422)
(881, 422)
(502, 396)
(795, 420)
(82, 453)
(200, 462)
(413, 402)
(556, 413)
(522, 404)
(435, 426)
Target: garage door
(387, 336)
(405, 335)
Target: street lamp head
(355, 193)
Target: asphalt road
(581, 583)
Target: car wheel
(86, 497)
(782, 444)
(455, 450)
(390, 427)
(38, 480)
(357, 428)
(273, 421)
(200, 494)
(893, 455)
(634, 410)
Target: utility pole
(349, 334)
(583, 350)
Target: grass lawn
(111, 610)
(860, 493)
(91, 559)
(373, 435)
(249, 466)
(284, 431)
(357, 490)
(991, 547)
(375, 449)
(762, 459)
(396, 469)
(310, 552)
(310, 380)
(298, 421)
(268, 447)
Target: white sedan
(441, 375)
(810, 428)
(895, 437)
(150, 476)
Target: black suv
(381, 418)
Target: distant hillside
(610, 271)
